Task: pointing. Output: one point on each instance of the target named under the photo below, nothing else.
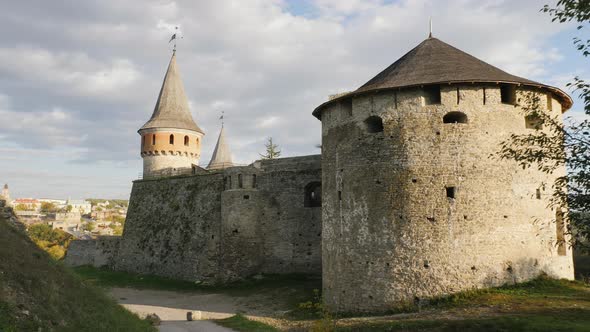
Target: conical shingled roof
(172, 109)
(221, 155)
(436, 62)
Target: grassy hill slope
(39, 294)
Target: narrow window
(533, 121)
(197, 142)
(374, 124)
(142, 141)
(455, 117)
(339, 195)
(549, 102)
(171, 139)
(253, 180)
(508, 94)
(538, 194)
(185, 140)
(313, 195)
(432, 95)
(154, 139)
(484, 96)
(240, 184)
(450, 192)
(560, 233)
(346, 106)
(458, 96)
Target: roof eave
(566, 100)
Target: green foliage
(326, 321)
(53, 241)
(272, 150)
(39, 294)
(558, 144)
(22, 207)
(48, 207)
(88, 226)
(69, 208)
(241, 323)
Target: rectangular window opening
(339, 195)
(533, 122)
(549, 102)
(538, 195)
(508, 94)
(432, 95)
(484, 96)
(346, 106)
(240, 184)
(560, 230)
(458, 96)
(450, 192)
(253, 180)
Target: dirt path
(172, 307)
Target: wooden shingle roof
(436, 62)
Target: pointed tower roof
(172, 109)
(221, 155)
(436, 62)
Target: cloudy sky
(78, 78)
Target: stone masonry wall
(219, 226)
(172, 228)
(265, 226)
(391, 234)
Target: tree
(69, 208)
(272, 150)
(54, 241)
(48, 207)
(561, 144)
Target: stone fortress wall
(414, 207)
(218, 226)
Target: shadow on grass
(108, 278)
(240, 323)
(550, 320)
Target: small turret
(5, 193)
(221, 155)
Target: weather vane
(430, 33)
(174, 37)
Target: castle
(404, 202)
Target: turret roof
(172, 109)
(221, 155)
(436, 62)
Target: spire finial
(174, 37)
(221, 118)
(430, 27)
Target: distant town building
(5, 193)
(80, 205)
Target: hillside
(39, 294)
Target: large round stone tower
(413, 205)
(170, 140)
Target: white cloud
(266, 67)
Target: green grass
(570, 320)
(242, 324)
(38, 293)
(108, 278)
